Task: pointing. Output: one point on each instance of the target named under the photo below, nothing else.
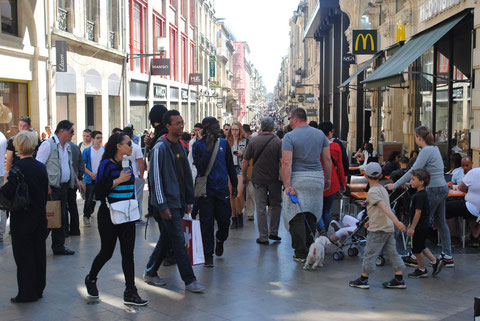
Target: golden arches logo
(364, 41)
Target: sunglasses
(25, 118)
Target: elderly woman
(29, 226)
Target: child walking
(381, 235)
(418, 228)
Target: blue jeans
(324, 221)
(173, 230)
(437, 197)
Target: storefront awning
(320, 12)
(361, 68)
(391, 72)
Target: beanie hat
(156, 114)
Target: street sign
(195, 79)
(160, 67)
(61, 53)
(300, 98)
(349, 58)
(219, 105)
(364, 42)
(212, 66)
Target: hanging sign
(212, 66)
(364, 42)
(61, 50)
(160, 67)
(195, 79)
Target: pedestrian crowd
(223, 175)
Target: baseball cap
(373, 170)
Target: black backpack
(21, 198)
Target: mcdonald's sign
(364, 42)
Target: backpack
(21, 198)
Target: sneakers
(86, 221)
(91, 285)
(299, 259)
(447, 260)
(208, 261)
(394, 284)
(195, 287)
(153, 280)
(219, 248)
(335, 225)
(437, 267)
(358, 283)
(417, 274)
(264, 242)
(131, 297)
(410, 260)
(275, 238)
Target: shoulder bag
(124, 211)
(252, 162)
(21, 198)
(201, 181)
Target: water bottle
(125, 164)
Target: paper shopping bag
(193, 240)
(54, 214)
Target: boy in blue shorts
(381, 236)
(418, 228)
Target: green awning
(361, 68)
(391, 72)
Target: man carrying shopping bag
(172, 194)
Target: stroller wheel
(380, 261)
(338, 256)
(357, 251)
(351, 251)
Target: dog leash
(294, 200)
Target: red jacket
(337, 178)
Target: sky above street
(263, 24)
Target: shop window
(173, 52)
(138, 116)
(92, 14)
(8, 10)
(113, 23)
(13, 105)
(138, 21)
(184, 59)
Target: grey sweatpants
(378, 242)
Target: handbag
(193, 240)
(124, 211)
(21, 198)
(201, 181)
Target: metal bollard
(476, 309)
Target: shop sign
(219, 105)
(312, 112)
(310, 98)
(160, 67)
(214, 84)
(301, 98)
(364, 42)
(61, 53)
(434, 7)
(160, 92)
(184, 94)
(195, 79)
(349, 58)
(212, 66)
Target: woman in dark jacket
(29, 227)
(114, 185)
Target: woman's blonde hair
(25, 142)
(241, 133)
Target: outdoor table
(359, 195)
(357, 186)
(452, 193)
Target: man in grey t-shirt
(303, 176)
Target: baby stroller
(400, 204)
(354, 239)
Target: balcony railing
(91, 30)
(62, 19)
(111, 39)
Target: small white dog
(316, 253)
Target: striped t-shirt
(108, 171)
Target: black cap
(207, 121)
(156, 114)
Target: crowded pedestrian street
(294, 160)
(250, 282)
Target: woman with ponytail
(431, 160)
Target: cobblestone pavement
(250, 282)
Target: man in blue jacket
(216, 205)
(172, 194)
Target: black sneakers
(437, 267)
(131, 297)
(208, 261)
(219, 248)
(358, 283)
(275, 238)
(410, 260)
(417, 274)
(394, 284)
(91, 285)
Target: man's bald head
(466, 164)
